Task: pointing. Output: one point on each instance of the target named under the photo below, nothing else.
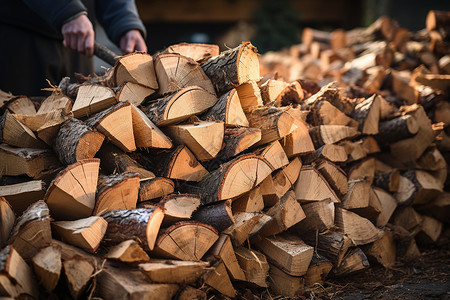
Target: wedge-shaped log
(387, 180)
(319, 217)
(223, 248)
(249, 95)
(298, 141)
(388, 206)
(362, 200)
(16, 134)
(274, 154)
(78, 273)
(21, 105)
(334, 175)
(383, 250)
(196, 51)
(426, 187)
(47, 266)
(367, 113)
(32, 230)
(174, 271)
(121, 283)
(244, 223)
(438, 208)
(234, 178)
(330, 134)
(285, 214)
(287, 252)
(204, 139)
(318, 270)
(175, 71)
(332, 245)
(76, 141)
(325, 113)
(179, 207)
(133, 92)
(56, 101)
(359, 229)
(284, 284)
(364, 169)
(218, 215)
(354, 261)
(117, 125)
(185, 241)
(71, 194)
(179, 106)
(332, 152)
(269, 191)
(274, 123)
(7, 219)
(236, 140)
(26, 161)
(146, 134)
(396, 129)
(228, 110)
(136, 68)
(312, 186)
(92, 99)
(128, 251)
(16, 277)
(116, 192)
(233, 67)
(84, 233)
(140, 224)
(218, 279)
(249, 202)
(271, 91)
(21, 195)
(254, 264)
(155, 188)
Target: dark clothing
(32, 50)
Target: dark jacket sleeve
(56, 12)
(117, 17)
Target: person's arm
(121, 22)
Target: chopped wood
(271, 91)
(236, 140)
(332, 152)
(330, 134)
(387, 180)
(383, 250)
(173, 271)
(179, 106)
(7, 219)
(128, 251)
(334, 175)
(218, 215)
(92, 99)
(179, 207)
(312, 186)
(438, 208)
(284, 284)
(249, 95)
(218, 279)
(332, 245)
(71, 194)
(318, 270)
(133, 93)
(14, 133)
(244, 222)
(325, 113)
(268, 191)
(281, 184)
(319, 217)
(189, 292)
(254, 264)
(274, 154)
(430, 230)
(224, 249)
(364, 170)
(354, 261)
(21, 105)
(136, 68)
(141, 224)
(84, 233)
(359, 229)
(292, 170)
(78, 273)
(22, 195)
(397, 129)
(47, 266)
(298, 142)
(367, 113)
(155, 188)
(175, 71)
(185, 241)
(196, 51)
(251, 201)
(388, 206)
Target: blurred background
(268, 24)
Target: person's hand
(79, 35)
(132, 41)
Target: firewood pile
(186, 174)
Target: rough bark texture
(395, 129)
(108, 182)
(219, 111)
(388, 181)
(217, 215)
(155, 110)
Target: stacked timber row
(185, 174)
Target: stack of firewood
(184, 173)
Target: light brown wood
(133, 93)
(196, 51)
(16, 134)
(92, 99)
(359, 229)
(430, 230)
(21, 195)
(319, 217)
(254, 264)
(185, 241)
(330, 134)
(334, 175)
(268, 191)
(173, 271)
(287, 252)
(332, 152)
(367, 113)
(298, 141)
(204, 139)
(155, 188)
(47, 266)
(354, 261)
(274, 154)
(249, 95)
(21, 105)
(219, 280)
(325, 113)
(271, 90)
(312, 186)
(364, 170)
(388, 206)
(224, 249)
(7, 219)
(128, 251)
(236, 140)
(189, 292)
(249, 202)
(318, 270)
(244, 223)
(136, 68)
(78, 273)
(383, 250)
(72, 194)
(179, 207)
(84, 233)
(284, 284)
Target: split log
(312, 186)
(71, 194)
(281, 184)
(224, 249)
(179, 207)
(188, 292)
(7, 219)
(218, 215)
(407, 218)
(364, 170)
(175, 72)
(56, 101)
(146, 134)
(292, 170)
(50, 129)
(234, 178)
(174, 271)
(228, 110)
(430, 230)
(249, 202)
(354, 261)
(318, 270)
(140, 224)
(155, 188)
(76, 141)
(185, 241)
(438, 208)
(319, 217)
(179, 106)
(136, 68)
(21, 105)
(284, 284)
(437, 19)
(84, 233)
(263, 221)
(334, 175)
(116, 192)
(249, 95)
(14, 133)
(78, 273)
(117, 125)
(47, 266)
(16, 277)
(426, 187)
(233, 67)
(69, 251)
(32, 230)
(325, 113)
(218, 279)
(271, 90)
(254, 264)
(388, 206)
(362, 200)
(298, 141)
(128, 251)
(26, 161)
(120, 283)
(287, 252)
(383, 250)
(405, 191)
(367, 113)
(332, 152)
(330, 134)
(204, 139)
(387, 180)
(196, 51)
(285, 214)
(92, 99)
(22, 195)
(397, 129)
(134, 93)
(244, 223)
(268, 191)
(274, 154)
(236, 140)
(359, 229)
(337, 39)
(332, 245)
(274, 123)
